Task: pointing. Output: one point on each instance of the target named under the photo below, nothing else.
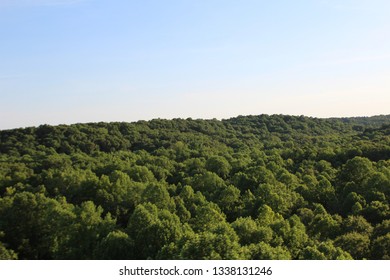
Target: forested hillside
(251, 187)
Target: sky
(77, 61)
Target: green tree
(158, 195)
(219, 244)
(381, 248)
(264, 251)
(41, 227)
(323, 251)
(218, 165)
(358, 245)
(151, 229)
(117, 245)
(86, 231)
(6, 254)
(249, 232)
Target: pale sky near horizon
(71, 61)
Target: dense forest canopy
(250, 187)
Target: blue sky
(70, 61)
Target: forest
(250, 187)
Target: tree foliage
(250, 187)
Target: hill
(250, 187)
